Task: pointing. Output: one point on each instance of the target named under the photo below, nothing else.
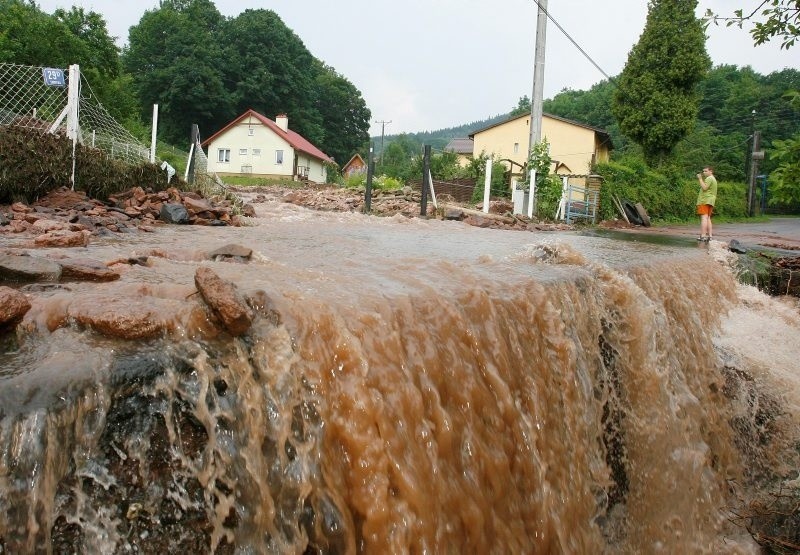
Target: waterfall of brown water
(477, 394)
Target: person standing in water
(705, 201)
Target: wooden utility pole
(748, 156)
(383, 127)
(757, 156)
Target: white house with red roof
(253, 144)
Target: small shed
(354, 166)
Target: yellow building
(574, 147)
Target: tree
(269, 69)
(175, 54)
(523, 107)
(31, 37)
(398, 158)
(785, 179)
(100, 51)
(780, 18)
(656, 99)
(345, 116)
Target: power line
(581, 50)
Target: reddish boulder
(45, 226)
(62, 238)
(13, 306)
(86, 269)
(126, 318)
(224, 300)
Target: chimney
(283, 121)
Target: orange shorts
(705, 209)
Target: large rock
(86, 269)
(198, 205)
(63, 238)
(231, 250)
(45, 226)
(225, 301)
(13, 306)
(125, 318)
(174, 213)
(25, 269)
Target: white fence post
(531, 193)
(487, 186)
(73, 101)
(153, 136)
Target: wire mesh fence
(460, 190)
(209, 183)
(38, 98)
(99, 130)
(25, 99)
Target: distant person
(705, 201)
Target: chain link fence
(51, 99)
(209, 183)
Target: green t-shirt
(709, 196)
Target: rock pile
(405, 202)
(144, 316)
(66, 218)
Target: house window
(279, 157)
(250, 131)
(256, 152)
(224, 155)
(516, 148)
(242, 152)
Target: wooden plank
(620, 208)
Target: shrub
(355, 181)
(548, 195)
(665, 198)
(386, 183)
(34, 163)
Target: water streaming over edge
(407, 386)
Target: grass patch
(247, 181)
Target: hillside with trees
(198, 66)
(204, 68)
(728, 96)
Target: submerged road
(779, 232)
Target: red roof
(297, 141)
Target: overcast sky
(430, 64)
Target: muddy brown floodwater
(398, 385)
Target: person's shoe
(702, 238)
(709, 238)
